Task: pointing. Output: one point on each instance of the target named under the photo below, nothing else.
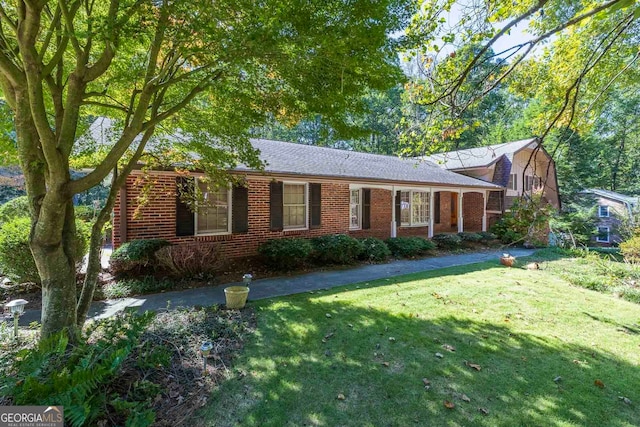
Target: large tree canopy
(206, 70)
(572, 53)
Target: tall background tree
(207, 71)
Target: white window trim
(411, 223)
(600, 211)
(514, 181)
(359, 226)
(213, 233)
(598, 235)
(306, 206)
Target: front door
(454, 210)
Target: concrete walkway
(280, 286)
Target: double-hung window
(294, 205)
(603, 211)
(603, 235)
(355, 209)
(513, 182)
(212, 209)
(532, 182)
(414, 208)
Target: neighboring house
(306, 191)
(520, 166)
(612, 210)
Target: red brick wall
(472, 210)
(156, 219)
(413, 231)
(380, 216)
(445, 214)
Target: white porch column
(431, 211)
(484, 210)
(460, 216)
(393, 212)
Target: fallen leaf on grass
(436, 296)
(598, 384)
(626, 400)
(448, 347)
(483, 411)
(385, 364)
(328, 315)
(426, 381)
(449, 405)
(473, 366)
(439, 355)
(557, 379)
(465, 398)
(392, 339)
(326, 337)
(340, 396)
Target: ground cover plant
(594, 269)
(480, 345)
(130, 370)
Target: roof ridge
(344, 150)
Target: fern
(74, 376)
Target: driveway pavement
(281, 286)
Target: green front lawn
(529, 350)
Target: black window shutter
(185, 219)
(275, 205)
(315, 196)
(240, 210)
(436, 207)
(366, 208)
(398, 207)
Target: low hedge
(407, 247)
(136, 255)
(447, 241)
(283, 254)
(14, 208)
(336, 249)
(469, 237)
(16, 260)
(374, 250)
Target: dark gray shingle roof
(479, 156)
(306, 160)
(612, 195)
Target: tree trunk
(53, 244)
(94, 265)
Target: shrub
(136, 286)
(84, 212)
(287, 253)
(374, 249)
(487, 237)
(136, 254)
(447, 241)
(470, 237)
(14, 208)
(199, 260)
(78, 376)
(630, 249)
(408, 247)
(336, 249)
(527, 221)
(16, 260)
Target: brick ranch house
(518, 166)
(307, 191)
